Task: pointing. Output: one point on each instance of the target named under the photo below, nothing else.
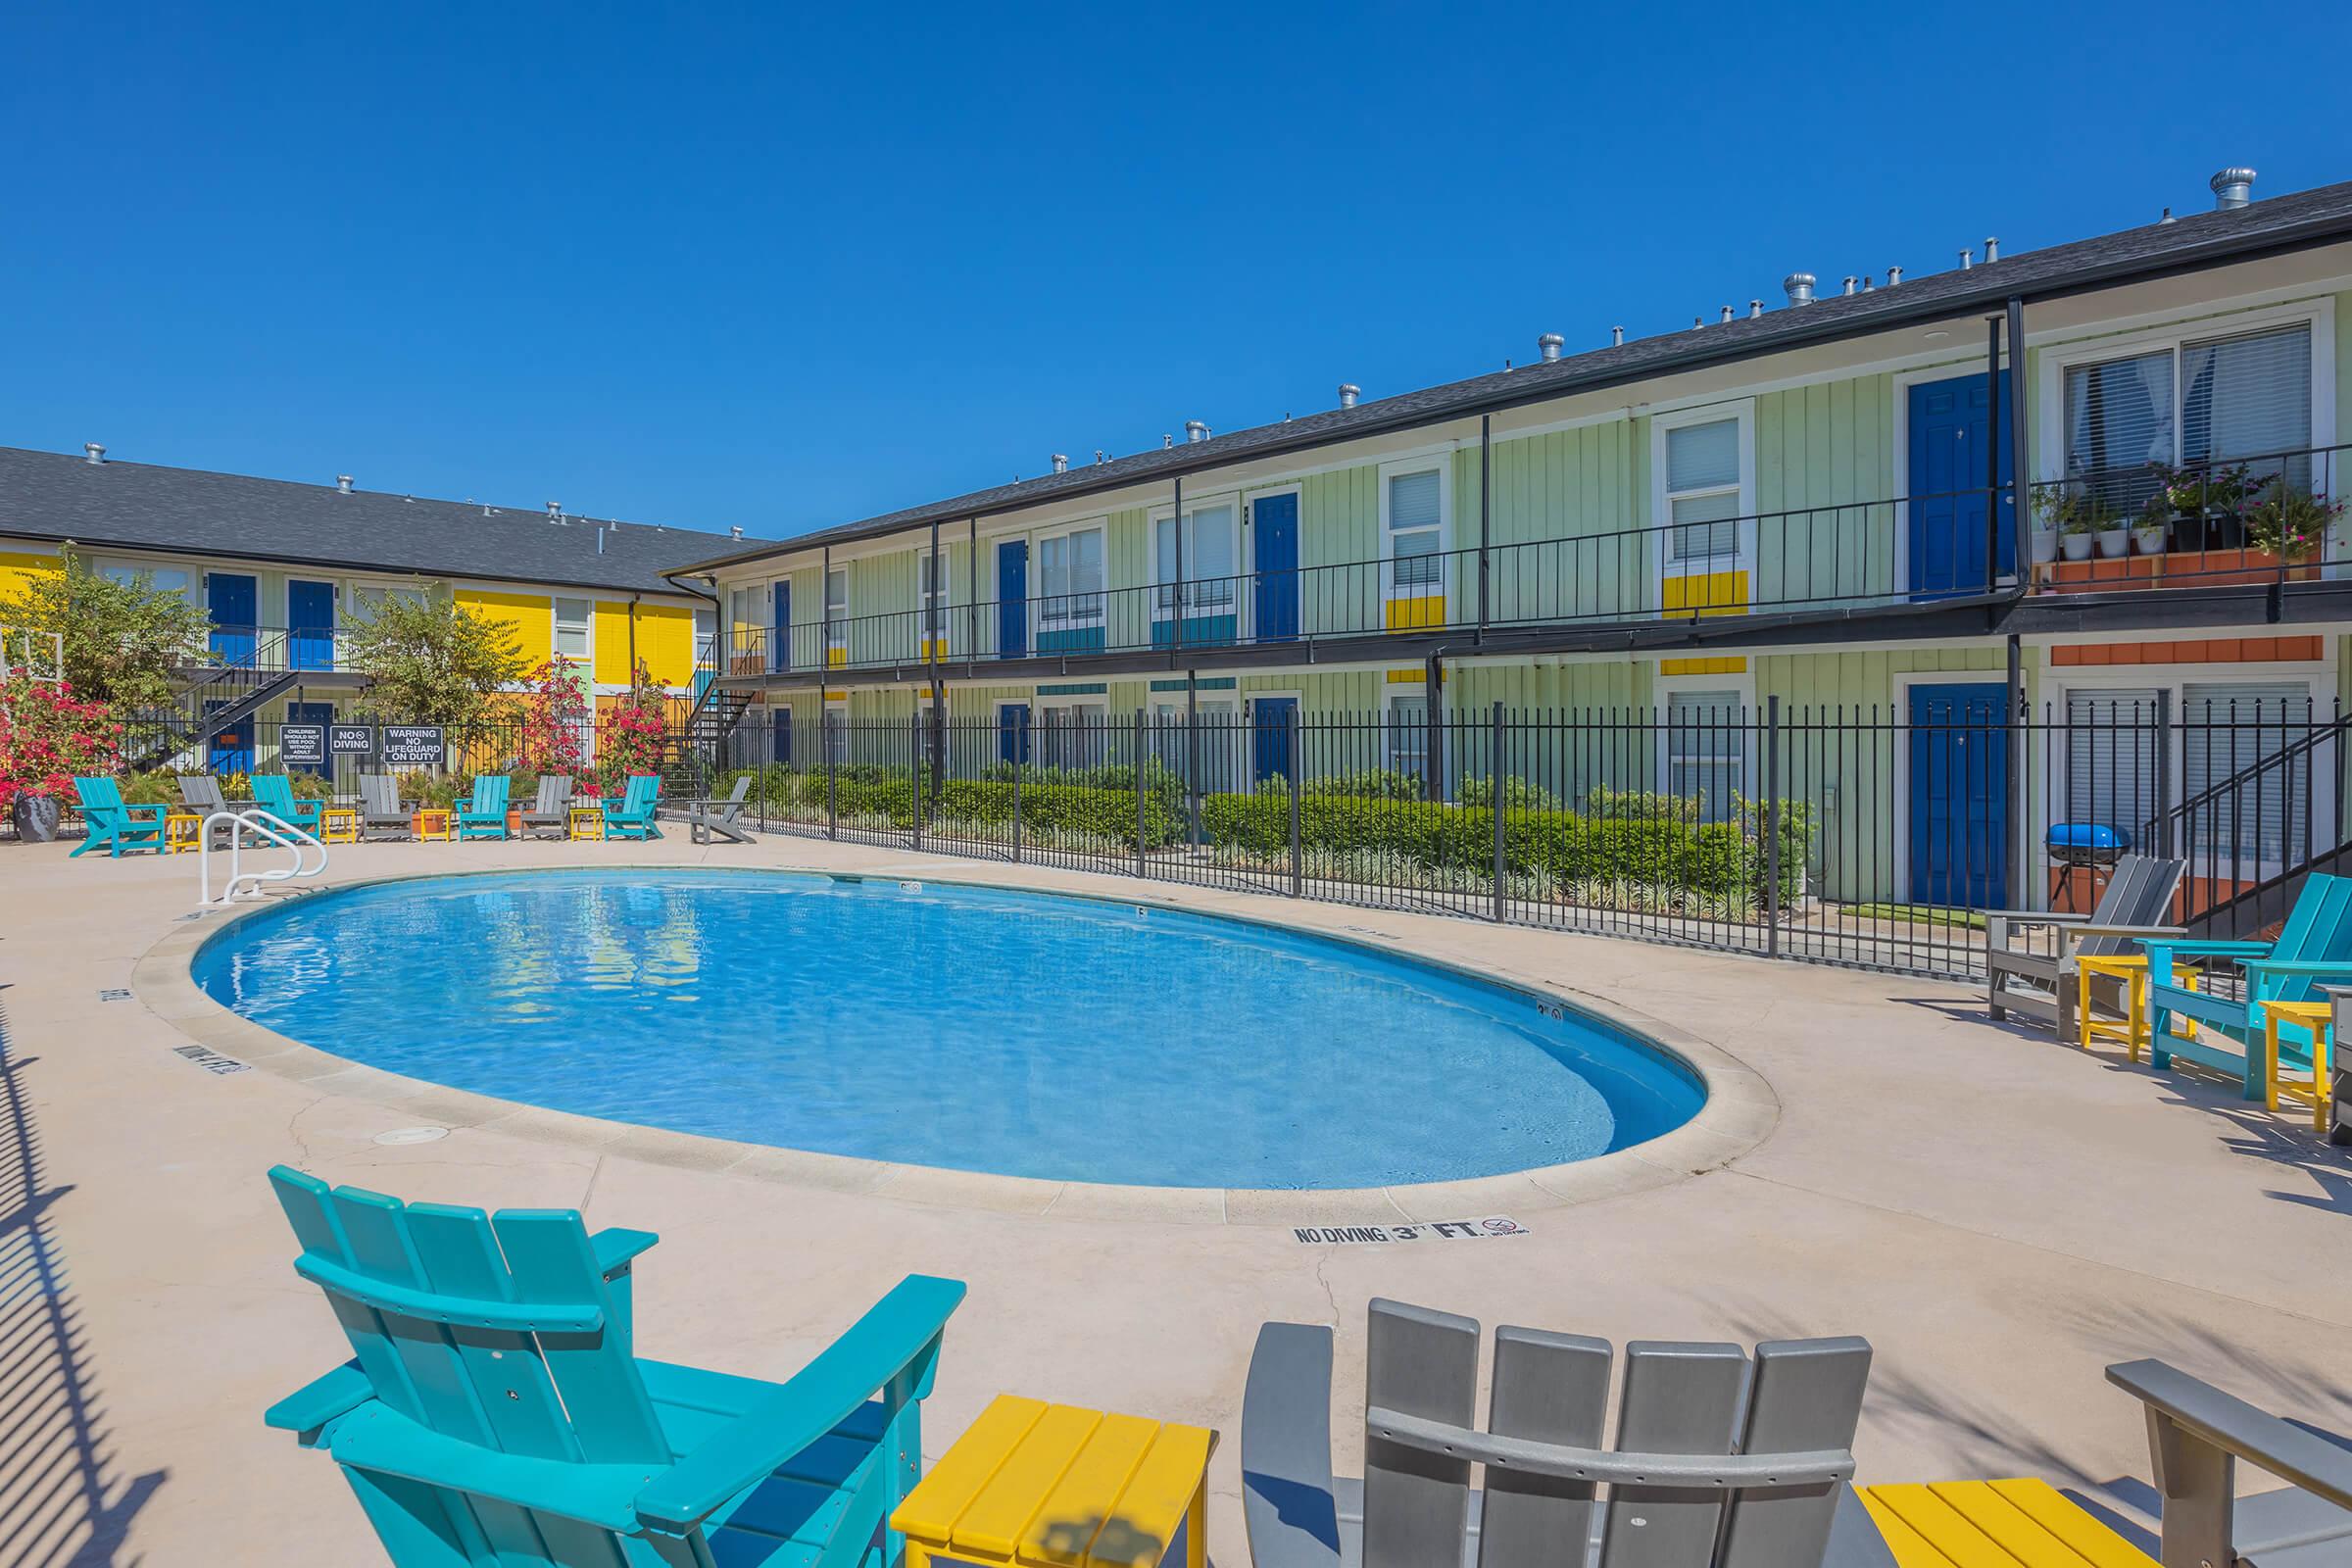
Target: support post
(2020, 847)
(1176, 635)
(2021, 519)
(832, 776)
(1771, 825)
(972, 596)
(915, 744)
(1486, 514)
(825, 615)
(1142, 867)
(1298, 789)
(1020, 744)
(1992, 451)
(1432, 688)
(1192, 756)
(1497, 794)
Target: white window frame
(835, 733)
(931, 598)
(837, 614)
(2319, 314)
(1041, 726)
(1069, 617)
(414, 593)
(190, 578)
(1389, 759)
(1196, 603)
(586, 660)
(1742, 683)
(1442, 465)
(1164, 706)
(1661, 500)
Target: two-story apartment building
(1903, 496)
(284, 569)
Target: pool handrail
(242, 883)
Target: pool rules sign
(414, 746)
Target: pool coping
(1740, 1112)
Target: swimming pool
(930, 1024)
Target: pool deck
(2002, 1216)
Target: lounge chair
(113, 826)
(494, 1411)
(1781, 1500)
(275, 793)
(485, 817)
(2197, 1435)
(633, 817)
(2314, 947)
(2137, 901)
(552, 808)
(381, 808)
(720, 816)
(200, 793)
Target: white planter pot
(2115, 542)
(2148, 541)
(2075, 545)
(2045, 545)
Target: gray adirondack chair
(720, 816)
(2196, 1436)
(200, 794)
(2136, 902)
(380, 809)
(551, 807)
(1722, 1461)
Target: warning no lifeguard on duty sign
(1442, 1230)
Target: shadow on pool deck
(59, 1505)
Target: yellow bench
(1033, 1485)
(1993, 1524)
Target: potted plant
(2291, 523)
(48, 738)
(2206, 504)
(2149, 528)
(2113, 530)
(2049, 518)
(2077, 534)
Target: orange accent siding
(2209, 651)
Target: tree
(635, 733)
(125, 642)
(555, 716)
(49, 735)
(435, 661)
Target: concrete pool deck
(2000, 1215)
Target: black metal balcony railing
(1912, 548)
(2219, 522)
(270, 650)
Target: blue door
(1012, 599)
(1960, 795)
(233, 600)
(230, 751)
(1948, 432)
(780, 628)
(1013, 733)
(779, 735)
(1270, 721)
(1274, 533)
(312, 713)
(310, 625)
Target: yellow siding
(1712, 593)
(1702, 667)
(532, 616)
(612, 644)
(15, 570)
(665, 642)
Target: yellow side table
(2314, 1017)
(587, 823)
(339, 824)
(182, 830)
(431, 823)
(2133, 969)
(1033, 1485)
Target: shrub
(1369, 784)
(1518, 794)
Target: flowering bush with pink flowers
(555, 716)
(635, 733)
(48, 737)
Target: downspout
(718, 635)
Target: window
(2212, 399)
(746, 629)
(1408, 735)
(931, 575)
(1702, 494)
(1069, 574)
(837, 613)
(1072, 734)
(157, 579)
(1706, 750)
(1416, 519)
(837, 734)
(1209, 552)
(2110, 759)
(368, 598)
(1220, 745)
(704, 622)
(572, 629)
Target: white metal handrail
(243, 883)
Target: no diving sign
(1442, 1230)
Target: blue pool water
(967, 1028)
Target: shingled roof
(51, 496)
(2210, 238)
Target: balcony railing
(1924, 548)
(2266, 517)
(271, 649)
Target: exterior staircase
(698, 749)
(2252, 838)
(241, 679)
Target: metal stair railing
(2220, 832)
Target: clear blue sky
(784, 270)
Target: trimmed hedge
(1107, 813)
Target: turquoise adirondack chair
(486, 816)
(495, 1412)
(275, 793)
(633, 817)
(2315, 946)
(113, 826)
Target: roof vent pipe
(2168, 217)
(1895, 275)
(1099, 459)
(1727, 313)
(734, 533)
(1061, 462)
(1968, 259)
(1616, 338)
(1349, 393)
(1800, 286)
(1992, 250)
(1867, 285)
(2232, 188)
(1755, 307)
(97, 453)
(343, 483)
(1551, 343)
(555, 512)
(1194, 430)
(1850, 283)
(1167, 441)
